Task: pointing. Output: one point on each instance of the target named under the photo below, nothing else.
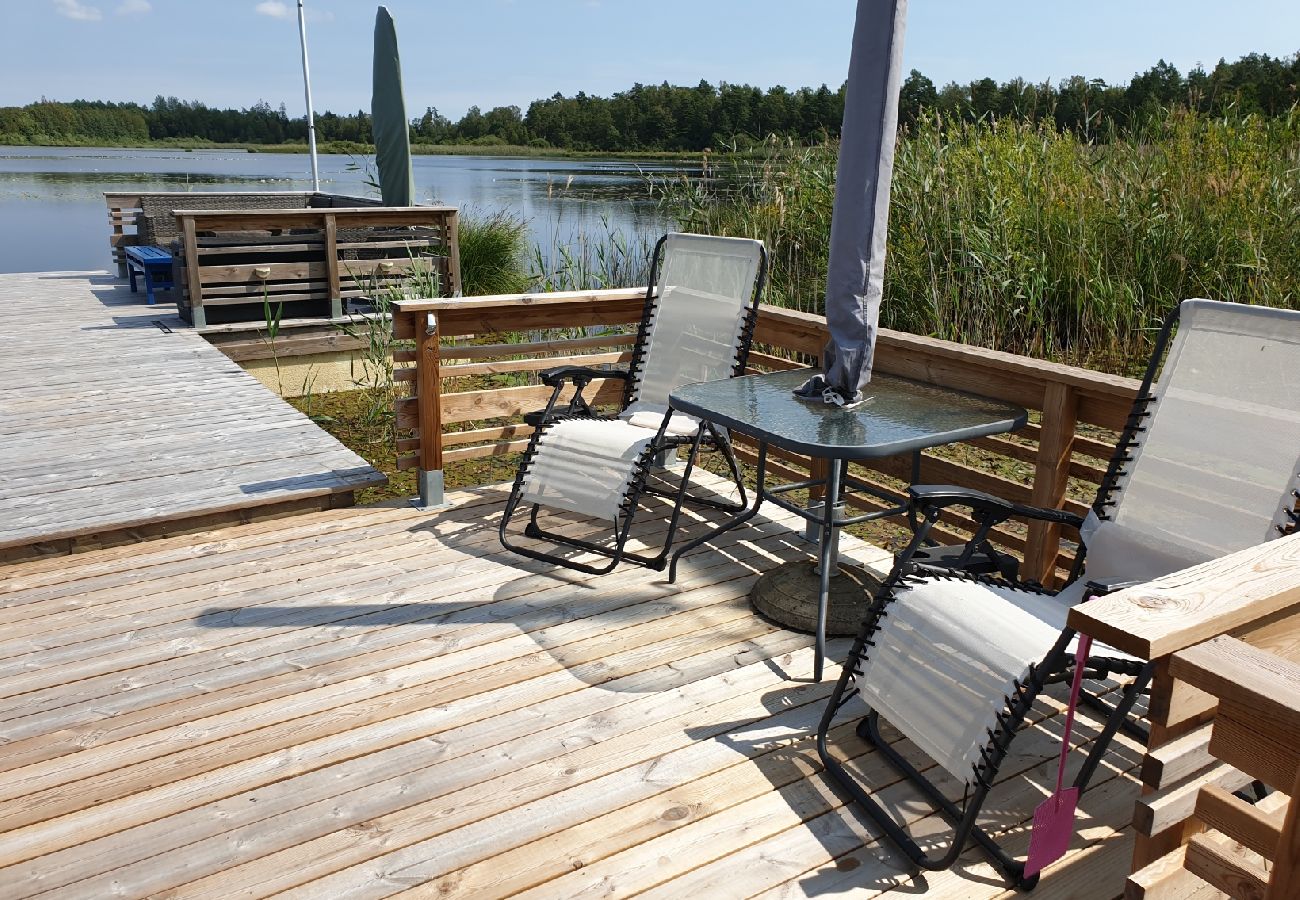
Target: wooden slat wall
(1059, 459)
(330, 254)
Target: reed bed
(1021, 237)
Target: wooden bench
(154, 264)
(1252, 595)
(1247, 850)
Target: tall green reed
(1020, 237)
(588, 260)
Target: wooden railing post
(429, 404)
(1051, 474)
(332, 266)
(452, 233)
(192, 278)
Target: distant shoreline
(347, 148)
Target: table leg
(726, 526)
(827, 560)
(916, 477)
(148, 286)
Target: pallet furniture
(1248, 850)
(309, 253)
(145, 217)
(1252, 595)
(310, 260)
(154, 265)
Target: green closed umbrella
(388, 117)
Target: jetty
(220, 678)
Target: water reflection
(53, 216)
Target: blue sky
(499, 52)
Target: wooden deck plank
(754, 845)
(205, 681)
(503, 662)
(634, 738)
(385, 565)
(401, 706)
(108, 424)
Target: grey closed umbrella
(388, 117)
(860, 220)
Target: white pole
(311, 116)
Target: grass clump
(493, 248)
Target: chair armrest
(579, 375)
(938, 496)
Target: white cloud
(276, 9)
(134, 7)
(79, 12)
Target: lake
(53, 217)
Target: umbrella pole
(311, 116)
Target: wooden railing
(1079, 411)
(311, 259)
(1221, 716)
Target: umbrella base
(787, 595)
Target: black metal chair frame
(1057, 665)
(707, 436)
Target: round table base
(787, 595)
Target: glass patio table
(898, 416)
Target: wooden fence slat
(487, 351)
(1244, 822)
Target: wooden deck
(378, 701)
(112, 428)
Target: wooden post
(332, 266)
(451, 229)
(116, 239)
(429, 404)
(1285, 879)
(1165, 727)
(1051, 473)
(193, 282)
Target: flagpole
(311, 116)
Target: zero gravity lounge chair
(698, 324)
(1208, 464)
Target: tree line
(687, 119)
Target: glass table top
(897, 416)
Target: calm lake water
(52, 212)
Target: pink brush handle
(1080, 658)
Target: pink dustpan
(1054, 818)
